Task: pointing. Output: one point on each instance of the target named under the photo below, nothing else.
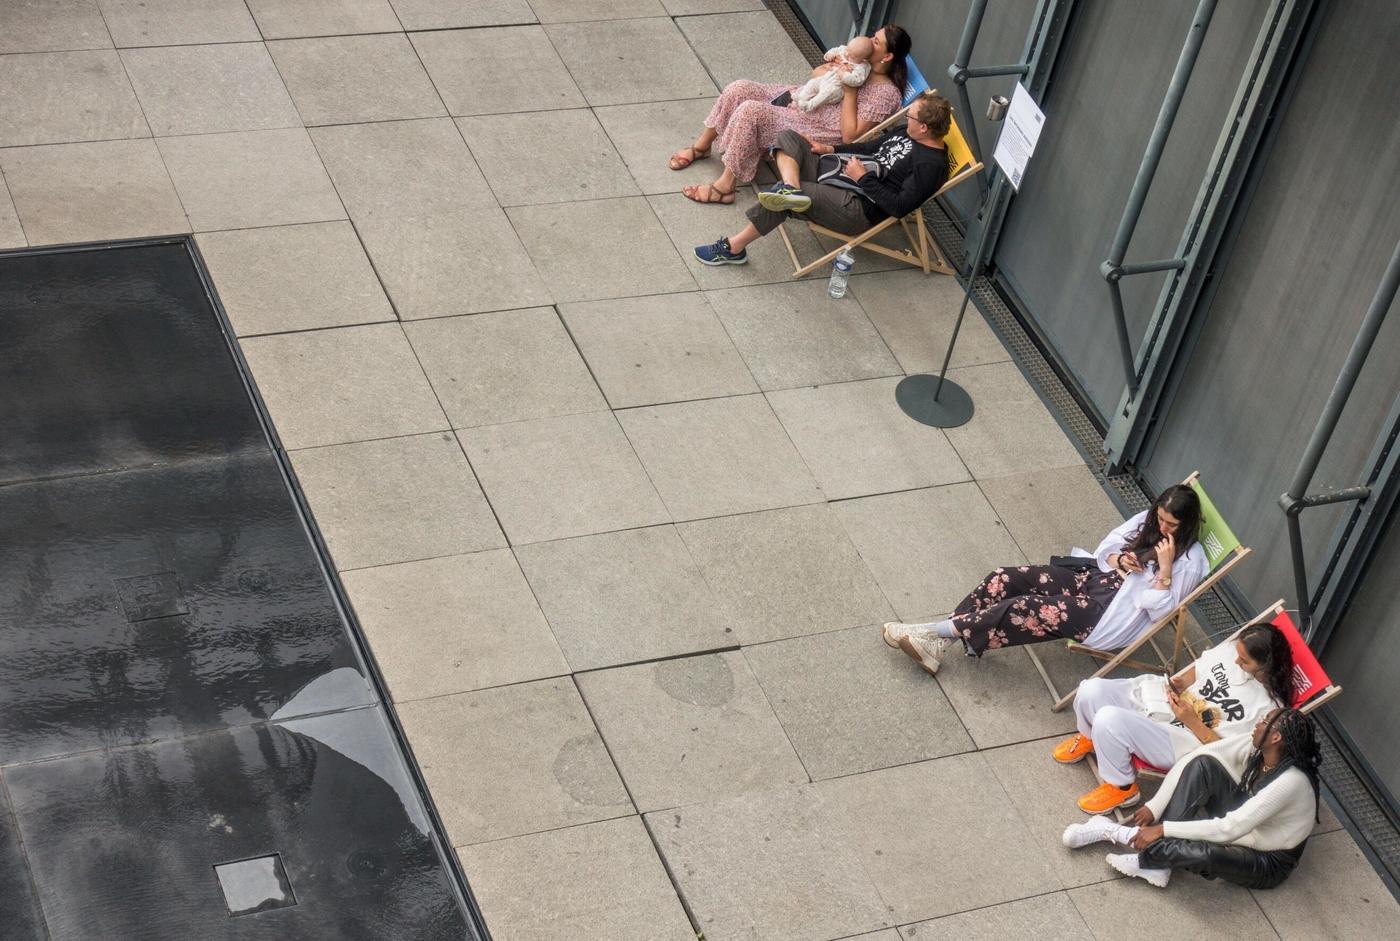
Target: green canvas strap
(1216, 536)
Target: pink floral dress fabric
(748, 124)
(1033, 603)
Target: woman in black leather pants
(1207, 791)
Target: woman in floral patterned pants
(1033, 603)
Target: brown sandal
(680, 162)
(712, 194)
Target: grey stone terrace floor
(619, 527)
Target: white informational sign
(1021, 130)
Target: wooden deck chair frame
(1330, 692)
(1124, 658)
(923, 251)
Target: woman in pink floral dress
(744, 123)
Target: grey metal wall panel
(1364, 656)
(1318, 234)
(1100, 111)
(830, 19)
(935, 26)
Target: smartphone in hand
(783, 100)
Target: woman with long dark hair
(1139, 573)
(1225, 692)
(1240, 809)
(744, 122)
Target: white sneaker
(927, 651)
(894, 632)
(1127, 864)
(1097, 829)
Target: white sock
(943, 628)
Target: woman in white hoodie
(1140, 572)
(1240, 809)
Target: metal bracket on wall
(1035, 68)
(1250, 116)
(1382, 468)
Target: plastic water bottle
(840, 274)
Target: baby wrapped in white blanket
(850, 65)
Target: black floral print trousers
(1031, 604)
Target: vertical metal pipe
(1346, 379)
(1125, 343)
(958, 73)
(1158, 141)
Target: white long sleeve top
(1278, 816)
(1137, 604)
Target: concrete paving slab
(624, 597)
(178, 22)
(1044, 792)
(1190, 907)
(300, 277)
(794, 334)
(552, 478)
(719, 456)
(460, 262)
(692, 7)
(454, 14)
(250, 178)
(204, 89)
(565, 11)
(63, 97)
(768, 865)
(1011, 431)
(349, 79)
(336, 386)
(476, 365)
(396, 500)
(464, 65)
(785, 573)
(1002, 699)
(288, 19)
(1048, 512)
(857, 440)
(86, 192)
(1334, 893)
(523, 173)
(691, 224)
(535, 761)
(915, 313)
(908, 823)
(455, 624)
(846, 707)
(12, 233)
(604, 880)
(652, 350)
(620, 61)
(688, 730)
(646, 135)
(402, 170)
(1050, 917)
(52, 26)
(928, 548)
(563, 241)
(752, 46)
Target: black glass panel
(91, 654)
(124, 843)
(113, 359)
(20, 919)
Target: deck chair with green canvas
(1223, 552)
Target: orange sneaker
(1073, 750)
(1107, 797)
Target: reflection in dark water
(178, 690)
(123, 842)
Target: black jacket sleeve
(864, 150)
(920, 183)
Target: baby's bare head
(860, 49)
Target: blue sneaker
(719, 254)
(780, 197)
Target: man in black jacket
(890, 176)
